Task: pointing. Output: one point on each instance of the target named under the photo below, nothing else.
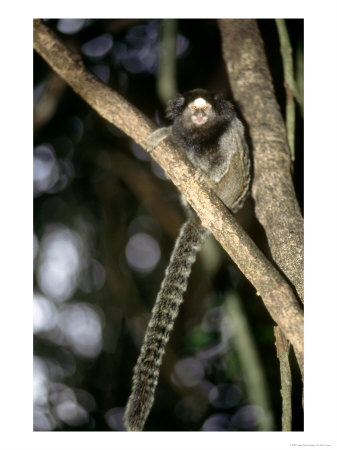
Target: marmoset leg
(157, 136)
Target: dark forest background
(105, 220)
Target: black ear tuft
(175, 106)
(224, 107)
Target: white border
(16, 224)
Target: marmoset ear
(175, 106)
(224, 107)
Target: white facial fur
(199, 102)
(200, 109)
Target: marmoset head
(201, 110)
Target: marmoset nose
(199, 117)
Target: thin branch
(252, 370)
(300, 78)
(277, 295)
(46, 105)
(283, 347)
(289, 82)
(166, 76)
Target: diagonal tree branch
(276, 294)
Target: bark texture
(276, 205)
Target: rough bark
(276, 205)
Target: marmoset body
(206, 127)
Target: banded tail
(164, 313)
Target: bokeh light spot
(114, 418)
(188, 372)
(59, 263)
(72, 413)
(82, 327)
(44, 314)
(216, 422)
(46, 168)
(248, 417)
(70, 26)
(98, 47)
(142, 252)
(225, 396)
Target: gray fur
(220, 150)
(164, 313)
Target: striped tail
(164, 313)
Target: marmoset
(206, 127)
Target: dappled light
(247, 417)
(60, 261)
(98, 47)
(105, 220)
(138, 52)
(50, 174)
(71, 413)
(188, 372)
(225, 396)
(216, 422)
(55, 402)
(45, 314)
(46, 169)
(114, 419)
(82, 328)
(142, 252)
(71, 26)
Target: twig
(46, 105)
(283, 347)
(300, 78)
(274, 290)
(252, 370)
(166, 77)
(289, 83)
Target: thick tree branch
(271, 286)
(275, 200)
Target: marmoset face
(200, 111)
